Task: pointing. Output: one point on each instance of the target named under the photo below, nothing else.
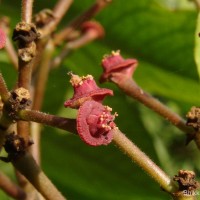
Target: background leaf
(161, 37)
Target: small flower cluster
(94, 121)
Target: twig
(27, 166)
(4, 93)
(24, 77)
(42, 76)
(90, 30)
(39, 90)
(58, 12)
(60, 58)
(50, 120)
(27, 7)
(143, 161)
(75, 24)
(132, 89)
(10, 188)
(35, 130)
(11, 53)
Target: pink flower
(115, 66)
(94, 123)
(85, 89)
(2, 39)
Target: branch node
(26, 34)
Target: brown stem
(36, 135)
(60, 58)
(59, 11)
(73, 45)
(27, 166)
(197, 3)
(88, 14)
(50, 120)
(10, 188)
(39, 91)
(27, 7)
(11, 53)
(23, 129)
(27, 186)
(24, 81)
(24, 75)
(143, 161)
(132, 89)
(42, 77)
(4, 93)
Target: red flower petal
(85, 88)
(94, 123)
(116, 65)
(2, 38)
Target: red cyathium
(94, 123)
(2, 39)
(115, 66)
(85, 88)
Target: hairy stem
(141, 159)
(10, 188)
(24, 75)
(72, 45)
(59, 11)
(4, 93)
(132, 89)
(27, 7)
(50, 120)
(11, 53)
(36, 135)
(42, 77)
(27, 166)
(88, 14)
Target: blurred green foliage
(160, 34)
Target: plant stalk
(130, 87)
(76, 23)
(10, 188)
(50, 120)
(4, 93)
(27, 166)
(27, 7)
(59, 11)
(141, 159)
